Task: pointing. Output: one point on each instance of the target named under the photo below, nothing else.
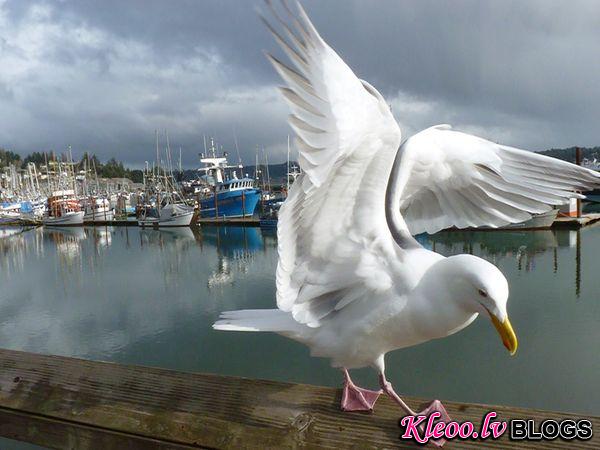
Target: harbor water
(149, 297)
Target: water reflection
(236, 247)
(13, 248)
(67, 242)
(102, 237)
(94, 291)
(518, 245)
(522, 247)
(182, 237)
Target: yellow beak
(506, 332)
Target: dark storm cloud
(102, 76)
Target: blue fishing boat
(224, 195)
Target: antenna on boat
(212, 147)
(237, 149)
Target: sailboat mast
(237, 148)
(287, 176)
(256, 168)
(85, 173)
(157, 154)
(71, 171)
(267, 168)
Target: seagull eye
(483, 293)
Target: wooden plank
(64, 402)
(62, 434)
(111, 223)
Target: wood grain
(61, 402)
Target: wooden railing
(69, 403)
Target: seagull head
(482, 288)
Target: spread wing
(333, 238)
(449, 178)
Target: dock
(561, 222)
(575, 223)
(230, 221)
(68, 403)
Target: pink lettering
(451, 430)
(437, 430)
(465, 430)
(485, 426)
(498, 429)
(412, 432)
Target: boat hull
(544, 220)
(537, 222)
(67, 219)
(241, 203)
(181, 220)
(99, 215)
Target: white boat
(10, 211)
(544, 220)
(164, 205)
(28, 210)
(63, 209)
(537, 221)
(170, 215)
(67, 218)
(97, 210)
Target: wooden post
(578, 264)
(578, 162)
(243, 205)
(199, 205)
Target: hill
(568, 154)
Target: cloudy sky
(103, 75)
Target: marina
(216, 197)
(337, 226)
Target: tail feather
(256, 320)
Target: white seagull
(352, 282)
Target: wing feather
(332, 226)
(480, 183)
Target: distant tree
(135, 175)
(91, 162)
(7, 158)
(568, 154)
(37, 158)
(113, 169)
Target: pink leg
(434, 406)
(355, 398)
